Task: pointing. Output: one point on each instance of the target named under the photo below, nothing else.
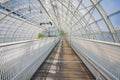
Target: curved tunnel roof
(89, 19)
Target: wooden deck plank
(63, 64)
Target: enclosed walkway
(59, 39)
(63, 64)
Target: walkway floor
(63, 64)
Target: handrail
(22, 55)
(104, 55)
(97, 66)
(14, 43)
(98, 41)
(19, 42)
(19, 75)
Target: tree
(40, 35)
(62, 33)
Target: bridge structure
(59, 40)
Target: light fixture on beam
(47, 23)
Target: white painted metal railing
(102, 58)
(19, 60)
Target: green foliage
(62, 33)
(40, 35)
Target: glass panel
(94, 27)
(115, 19)
(99, 37)
(87, 17)
(110, 6)
(86, 2)
(118, 34)
(102, 25)
(83, 11)
(75, 2)
(108, 37)
(96, 14)
(1, 15)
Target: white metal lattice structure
(86, 20)
(19, 60)
(90, 19)
(102, 58)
